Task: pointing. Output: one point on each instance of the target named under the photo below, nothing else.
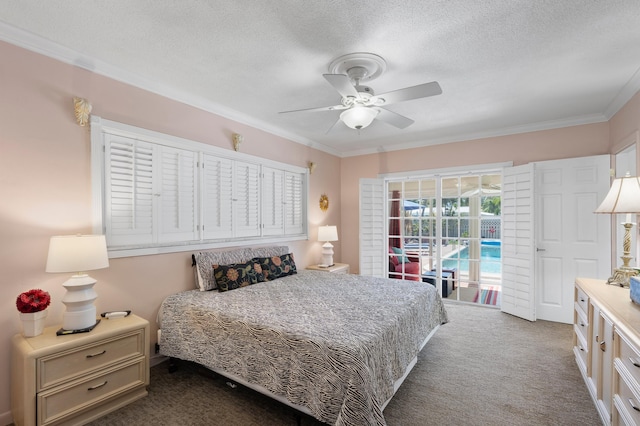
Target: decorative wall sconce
(237, 140)
(324, 202)
(312, 166)
(82, 109)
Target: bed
(334, 346)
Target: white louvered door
(129, 205)
(177, 195)
(518, 279)
(246, 199)
(217, 205)
(373, 236)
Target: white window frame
(295, 227)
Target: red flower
(33, 301)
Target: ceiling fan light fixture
(358, 117)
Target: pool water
(490, 259)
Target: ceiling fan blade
(393, 118)
(342, 84)
(327, 108)
(413, 92)
(332, 126)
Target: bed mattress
(332, 343)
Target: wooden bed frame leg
(173, 365)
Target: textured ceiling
(505, 66)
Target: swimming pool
(490, 258)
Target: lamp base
(81, 312)
(621, 276)
(327, 255)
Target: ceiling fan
(359, 104)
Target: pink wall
(45, 180)
(579, 141)
(45, 186)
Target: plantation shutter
(129, 206)
(177, 196)
(217, 188)
(373, 235)
(246, 199)
(518, 238)
(273, 201)
(293, 199)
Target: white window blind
(217, 216)
(129, 191)
(155, 193)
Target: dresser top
(616, 302)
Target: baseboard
(157, 359)
(6, 418)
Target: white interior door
(571, 241)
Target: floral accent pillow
(277, 266)
(236, 275)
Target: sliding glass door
(446, 231)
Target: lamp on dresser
(623, 198)
(78, 253)
(327, 233)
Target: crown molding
(506, 131)
(42, 46)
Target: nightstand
(338, 268)
(74, 379)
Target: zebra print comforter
(332, 343)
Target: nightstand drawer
(72, 398)
(65, 366)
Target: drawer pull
(633, 405)
(635, 362)
(581, 324)
(603, 346)
(581, 299)
(98, 354)
(97, 386)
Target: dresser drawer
(627, 402)
(581, 325)
(64, 366)
(72, 398)
(582, 300)
(630, 358)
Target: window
(439, 227)
(154, 193)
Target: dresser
(74, 379)
(337, 268)
(606, 344)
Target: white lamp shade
(328, 233)
(623, 196)
(77, 253)
(358, 117)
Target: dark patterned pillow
(277, 266)
(236, 275)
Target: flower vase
(33, 323)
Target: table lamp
(327, 233)
(623, 197)
(78, 253)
